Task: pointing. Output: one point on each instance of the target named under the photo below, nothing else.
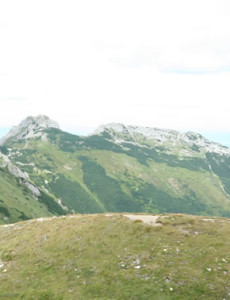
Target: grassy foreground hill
(114, 257)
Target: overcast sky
(84, 63)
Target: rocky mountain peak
(30, 127)
(148, 132)
(171, 138)
(39, 121)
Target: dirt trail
(147, 219)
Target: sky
(156, 63)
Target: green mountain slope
(122, 169)
(113, 257)
(17, 202)
(20, 199)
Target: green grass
(106, 187)
(93, 174)
(112, 257)
(74, 195)
(16, 201)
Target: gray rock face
(14, 170)
(121, 132)
(31, 127)
(35, 191)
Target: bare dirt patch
(147, 219)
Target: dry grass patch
(112, 257)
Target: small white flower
(137, 267)
(171, 289)
(209, 269)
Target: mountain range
(45, 171)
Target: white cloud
(155, 63)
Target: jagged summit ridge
(185, 143)
(30, 127)
(161, 136)
(148, 132)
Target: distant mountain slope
(122, 168)
(19, 198)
